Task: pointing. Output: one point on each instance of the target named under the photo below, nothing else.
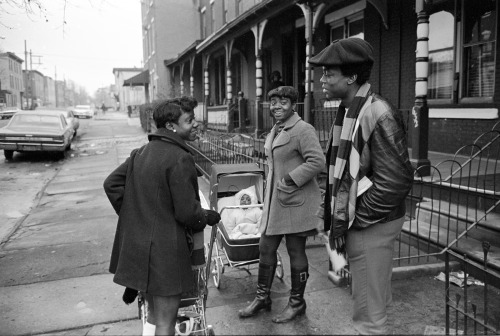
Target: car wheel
(9, 154)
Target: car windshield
(35, 121)
(83, 107)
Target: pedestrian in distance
(369, 177)
(129, 111)
(295, 158)
(155, 194)
(275, 80)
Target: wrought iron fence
(464, 315)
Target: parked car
(30, 131)
(7, 113)
(70, 118)
(83, 111)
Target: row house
(50, 92)
(11, 80)
(35, 89)
(435, 60)
(125, 94)
(27, 89)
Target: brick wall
(393, 74)
(448, 135)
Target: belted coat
(295, 150)
(155, 194)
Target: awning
(141, 79)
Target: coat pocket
(290, 196)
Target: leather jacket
(385, 161)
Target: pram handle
(241, 207)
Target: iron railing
(464, 315)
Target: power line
(79, 57)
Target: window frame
(460, 73)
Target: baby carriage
(223, 250)
(191, 318)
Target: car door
(72, 120)
(67, 129)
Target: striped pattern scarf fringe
(342, 150)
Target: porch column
(308, 15)
(258, 32)
(229, 82)
(206, 80)
(191, 77)
(420, 112)
(312, 14)
(182, 79)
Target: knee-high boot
(296, 304)
(263, 299)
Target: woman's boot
(263, 299)
(296, 304)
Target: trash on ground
(434, 330)
(457, 278)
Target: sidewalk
(90, 304)
(418, 302)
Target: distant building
(127, 95)
(435, 60)
(35, 89)
(11, 80)
(50, 92)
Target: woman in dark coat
(155, 194)
(295, 158)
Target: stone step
(431, 239)
(457, 219)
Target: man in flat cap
(369, 176)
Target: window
(441, 37)
(203, 23)
(462, 44)
(350, 26)
(212, 18)
(153, 42)
(225, 6)
(239, 7)
(479, 39)
(220, 80)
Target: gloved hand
(213, 217)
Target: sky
(78, 40)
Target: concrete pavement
(74, 225)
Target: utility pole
(32, 81)
(55, 84)
(28, 89)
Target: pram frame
(217, 268)
(192, 308)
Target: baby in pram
(243, 223)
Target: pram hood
(233, 178)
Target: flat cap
(352, 50)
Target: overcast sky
(98, 35)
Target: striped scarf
(342, 149)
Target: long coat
(296, 151)
(155, 194)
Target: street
(57, 229)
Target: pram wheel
(279, 266)
(217, 269)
